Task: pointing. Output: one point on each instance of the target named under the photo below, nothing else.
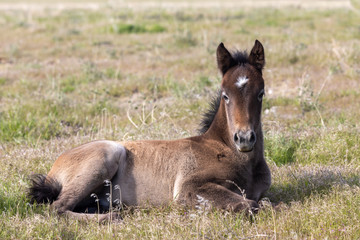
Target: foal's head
(242, 90)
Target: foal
(225, 164)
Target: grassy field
(68, 77)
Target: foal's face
(242, 92)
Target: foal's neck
(218, 129)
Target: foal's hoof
(248, 207)
(253, 207)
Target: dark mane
(241, 57)
(209, 115)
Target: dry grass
(68, 77)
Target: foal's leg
(221, 197)
(83, 170)
(261, 181)
(218, 196)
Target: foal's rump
(78, 173)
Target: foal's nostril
(236, 137)
(252, 137)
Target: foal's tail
(43, 189)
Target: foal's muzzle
(245, 141)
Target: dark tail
(43, 189)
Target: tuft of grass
(123, 28)
(68, 85)
(3, 81)
(155, 28)
(280, 149)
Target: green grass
(69, 77)
(122, 28)
(281, 149)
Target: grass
(69, 77)
(122, 28)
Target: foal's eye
(261, 95)
(226, 98)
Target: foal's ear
(224, 59)
(257, 56)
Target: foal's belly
(148, 174)
(142, 187)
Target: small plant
(203, 205)
(111, 200)
(110, 196)
(93, 195)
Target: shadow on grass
(304, 182)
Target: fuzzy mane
(209, 115)
(240, 57)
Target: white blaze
(241, 81)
